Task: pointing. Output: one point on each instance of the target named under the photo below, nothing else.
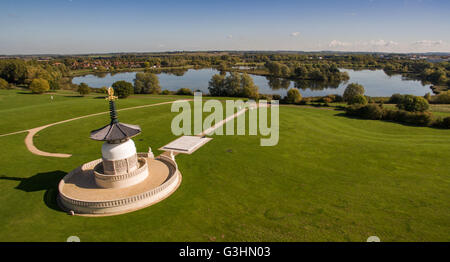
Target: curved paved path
(31, 132)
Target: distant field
(330, 178)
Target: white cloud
(229, 36)
(295, 34)
(428, 43)
(336, 43)
(364, 45)
(382, 42)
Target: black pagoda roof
(115, 131)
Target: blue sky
(89, 26)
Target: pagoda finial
(114, 132)
(112, 105)
(111, 96)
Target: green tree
(39, 86)
(216, 85)
(249, 89)
(146, 83)
(318, 75)
(3, 84)
(233, 84)
(123, 89)
(413, 103)
(353, 90)
(285, 71)
(293, 96)
(438, 76)
(54, 85)
(83, 89)
(13, 71)
(274, 68)
(301, 72)
(37, 72)
(223, 66)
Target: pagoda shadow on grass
(122, 180)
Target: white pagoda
(122, 180)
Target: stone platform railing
(121, 205)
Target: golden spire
(111, 96)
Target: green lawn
(22, 110)
(330, 178)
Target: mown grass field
(330, 178)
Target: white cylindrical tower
(119, 158)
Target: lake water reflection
(376, 83)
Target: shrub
(293, 96)
(442, 98)
(83, 89)
(395, 99)
(185, 92)
(358, 99)
(372, 111)
(389, 114)
(123, 89)
(446, 122)
(413, 103)
(39, 86)
(442, 123)
(419, 118)
(402, 116)
(353, 90)
(3, 84)
(165, 92)
(376, 112)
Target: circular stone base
(79, 193)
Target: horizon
(228, 51)
(77, 27)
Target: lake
(375, 82)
